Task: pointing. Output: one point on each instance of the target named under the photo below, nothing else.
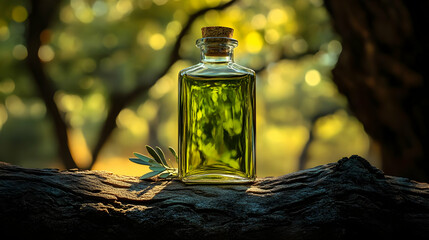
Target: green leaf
(149, 175)
(165, 175)
(157, 164)
(161, 154)
(144, 158)
(139, 161)
(154, 154)
(174, 153)
(157, 168)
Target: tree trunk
(41, 14)
(349, 199)
(382, 71)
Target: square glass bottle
(217, 114)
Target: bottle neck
(209, 55)
(217, 49)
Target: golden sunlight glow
(335, 47)
(68, 44)
(127, 119)
(72, 105)
(19, 14)
(142, 37)
(75, 119)
(212, 17)
(157, 41)
(327, 127)
(4, 30)
(78, 148)
(100, 8)
(330, 132)
(278, 88)
(299, 46)
(144, 4)
(124, 6)
(67, 15)
(148, 110)
(85, 15)
(120, 165)
(160, 2)
(312, 77)
(19, 52)
(196, 4)
(46, 53)
(15, 106)
(253, 42)
(259, 21)
(82, 11)
(317, 3)
(3, 115)
(97, 48)
(272, 36)
(161, 87)
(7, 86)
(169, 127)
(234, 13)
(173, 28)
(180, 15)
(96, 103)
(213, 3)
(285, 143)
(37, 109)
(277, 16)
(68, 102)
(152, 192)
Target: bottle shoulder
(243, 69)
(193, 68)
(204, 69)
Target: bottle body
(217, 123)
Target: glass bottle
(217, 114)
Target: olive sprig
(157, 163)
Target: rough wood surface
(349, 199)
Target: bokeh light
(312, 77)
(19, 14)
(19, 52)
(97, 51)
(46, 53)
(157, 41)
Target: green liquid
(217, 129)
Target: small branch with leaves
(157, 163)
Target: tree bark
(349, 199)
(41, 15)
(383, 73)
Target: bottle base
(216, 179)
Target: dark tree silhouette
(382, 71)
(42, 13)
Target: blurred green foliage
(98, 48)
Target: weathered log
(349, 199)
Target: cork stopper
(217, 31)
(220, 35)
